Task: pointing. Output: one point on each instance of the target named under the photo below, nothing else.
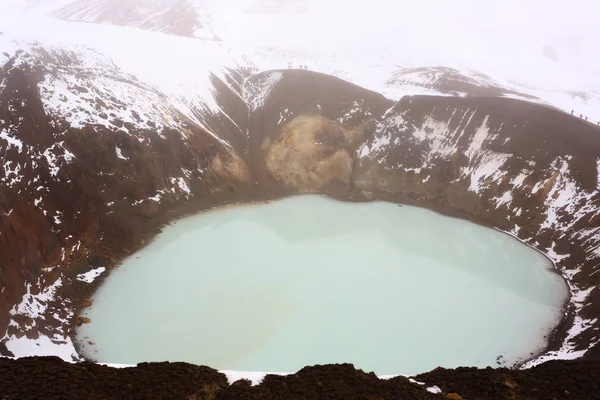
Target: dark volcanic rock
(49, 378)
(551, 380)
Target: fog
(527, 34)
(548, 43)
(551, 22)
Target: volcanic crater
(80, 197)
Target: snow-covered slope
(169, 81)
(176, 17)
(536, 50)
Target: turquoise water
(309, 280)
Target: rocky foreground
(52, 378)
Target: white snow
(156, 198)
(515, 230)
(598, 172)
(12, 141)
(120, 154)
(91, 275)
(504, 199)
(562, 195)
(180, 182)
(439, 136)
(9, 171)
(487, 168)
(35, 305)
(118, 365)
(519, 179)
(557, 258)
(149, 87)
(254, 377)
(363, 151)
(378, 144)
(51, 159)
(42, 346)
(481, 135)
(256, 94)
(434, 390)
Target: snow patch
(519, 179)
(42, 346)
(356, 108)
(506, 198)
(562, 195)
(180, 182)
(254, 377)
(257, 94)
(485, 169)
(598, 173)
(120, 153)
(91, 275)
(434, 390)
(554, 256)
(9, 171)
(12, 141)
(35, 305)
(53, 159)
(363, 151)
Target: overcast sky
(523, 32)
(549, 39)
(545, 20)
